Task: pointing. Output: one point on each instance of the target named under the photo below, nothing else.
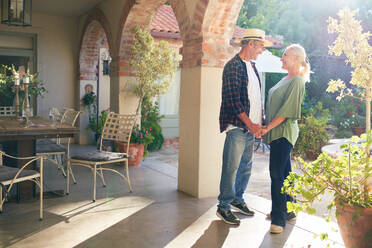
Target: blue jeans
(280, 167)
(236, 167)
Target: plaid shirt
(235, 93)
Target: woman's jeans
(236, 167)
(280, 167)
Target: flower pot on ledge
(135, 152)
(358, 130)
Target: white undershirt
(254, 96)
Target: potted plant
(349, 112)
(139, 140)
(344, 176)
(357, 123)
(348, 175)
(154, 65)
(89, 101)
(97, 125)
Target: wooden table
(20, 140)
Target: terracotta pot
(358, 130)
(135, 152)
(355, 225)
(311, 155)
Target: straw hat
(253, 34)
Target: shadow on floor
(155, 225)
(215, 235)
(276, 240)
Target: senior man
(241, 117)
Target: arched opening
(206, 28)
(94, 65)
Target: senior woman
(283, 111)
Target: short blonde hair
(300, 52)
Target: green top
(284, 100)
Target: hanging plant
(89, 99)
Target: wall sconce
(16, 12)
(106, 67)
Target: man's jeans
(236, 166)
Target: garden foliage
(313, 132)
(7, 89)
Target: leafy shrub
(313, 132)
(96, 126)
(344, 176)
(150, 120)
(342, 133)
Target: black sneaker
(242, 208)
(227, 216)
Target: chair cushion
(100, 156)
(44, 142)
(8, 173)
(50, 148)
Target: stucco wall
(56, 58)
(200, 152)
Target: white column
(201, 144)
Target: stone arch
(141, 14)
(96, 34)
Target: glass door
(18, 50)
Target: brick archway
(141, 14)
(205, 36)
(206, 27)
(208, 40)
(96, 35)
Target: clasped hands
(258, 130)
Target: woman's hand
(264, 130)
(274, 123)
(255, 129)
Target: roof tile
(165, 25)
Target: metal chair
(117, 128)
(54, 150)
(10, 176)
(7, 111)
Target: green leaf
(324, 236)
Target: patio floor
(154, 215)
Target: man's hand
(255, 129)
(252, 127)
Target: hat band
(253, 37)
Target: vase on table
(26, 107)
